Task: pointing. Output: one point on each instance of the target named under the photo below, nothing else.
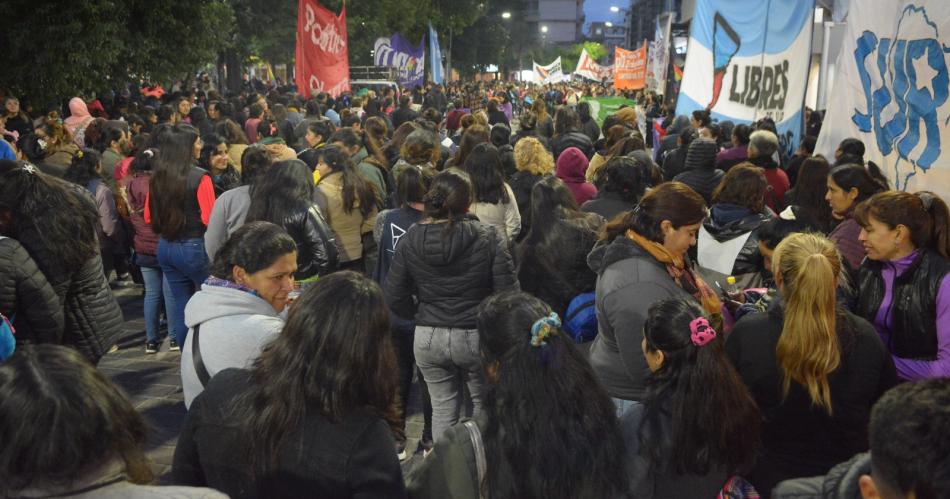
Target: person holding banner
(904, 289)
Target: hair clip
(79, 154)
(542, 328)
(701, 332)
(29, 168)
(927, 199)
(148, 153)
(787, 214)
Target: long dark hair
(209, 147)
(168, 184)
(285, 190)
(544, 401)
(255, 162)
(673, 201)
(357, 191)
(627, 177)
(473, 136)
(484, 168)
(811, 188)
(60, 418)
(53, 211)
(552, 202)
(715, 421)
(856, 176)
(565, 121)
(852, 151)
(449, 197)
(83, 168)
(333, 362)
(923, 213)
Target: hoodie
(440, 274)
(235, 326)
(729, 221)
(78, 118)
(571, 168)
(701, 173)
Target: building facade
(556, 21)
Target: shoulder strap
(200, 369)
(480, 461)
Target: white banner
(548, 74)
(589, 69)
(891, 89)
(659, 56)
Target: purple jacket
(845, 237)
(910, 369)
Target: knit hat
(701, 154)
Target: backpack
(7, 342)
(580, 320)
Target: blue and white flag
(750, 60)
(435, 57)
(891, 89)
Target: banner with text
(750, 60)
(548, 74)
(630, 68)
(435, 57)
(323, 63)
(891, 91)
(589, 69)
(409, 61)
(659, 54)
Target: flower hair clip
(29, 168)
(543, 328)
(701, 332)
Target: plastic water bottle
(733, 290)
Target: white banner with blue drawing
(891, 91)
(750, 60)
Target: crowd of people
(652, 306)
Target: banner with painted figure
(630, 68)
(589, 69)
(601, 107)
(891, 91)
(659, 54)
(548, 74)
(323, 63)
(435, 57)
(750, 60)
(409, 61)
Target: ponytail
(940, 219)
(808, 349)
(924, 214)
(878, 175)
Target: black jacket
(352, 458)
(403, 115)
(316, 246)
(521, 184)
(607, 204)
(674, 163)
(572, 139)
(724, 225)
(840, 483)
(26, 298)
(591, 129)
(448, 272)
(556, 270)
(701, 180)
(914, 303)
(507, 154)
(799, 439)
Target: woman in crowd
(145, 243)
(60, 146)
(527, 127)
(805, 150)
(393, 147)
(369, 161)
(538, 385)
(739, 152)
(268, 135)
(628, 145)
(313, 413)
(849, 185)
(641, 259)
(473, 136)
(349, 202)
(809, 193)
(698, 424)
(738, 211)
(588, 123)
(545, 124)
(851, 151)
(86, 172)
(76, 437)
(26, 297)
(285, 197)
(571, 166)
(533, 161)
(79, 118)
(230, 209)
(15, 120)
(180, 200)
(501, 138)
(763, 146)
(612, 136)
(55, 221)
(567, 134)
(495, 115)
(552, 259)
(493, 201)
(238, 309)
(414, 175)
(700, 171)
(234, 136)
(903, 286)
(214, 159)
(443, 267)
(814, 369)
(624, 181)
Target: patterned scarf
(684, 277)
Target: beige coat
(348, 228)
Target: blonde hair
(481, 118)
(808, 349)
(531, 156)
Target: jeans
(185, 265)
(623, 405)
(156, 288)
(403, 334)
(448, 356)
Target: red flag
(322, 55)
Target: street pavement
(153, 384)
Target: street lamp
(506, 15)
(609, 24)
(614, 9)
(544, 29)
